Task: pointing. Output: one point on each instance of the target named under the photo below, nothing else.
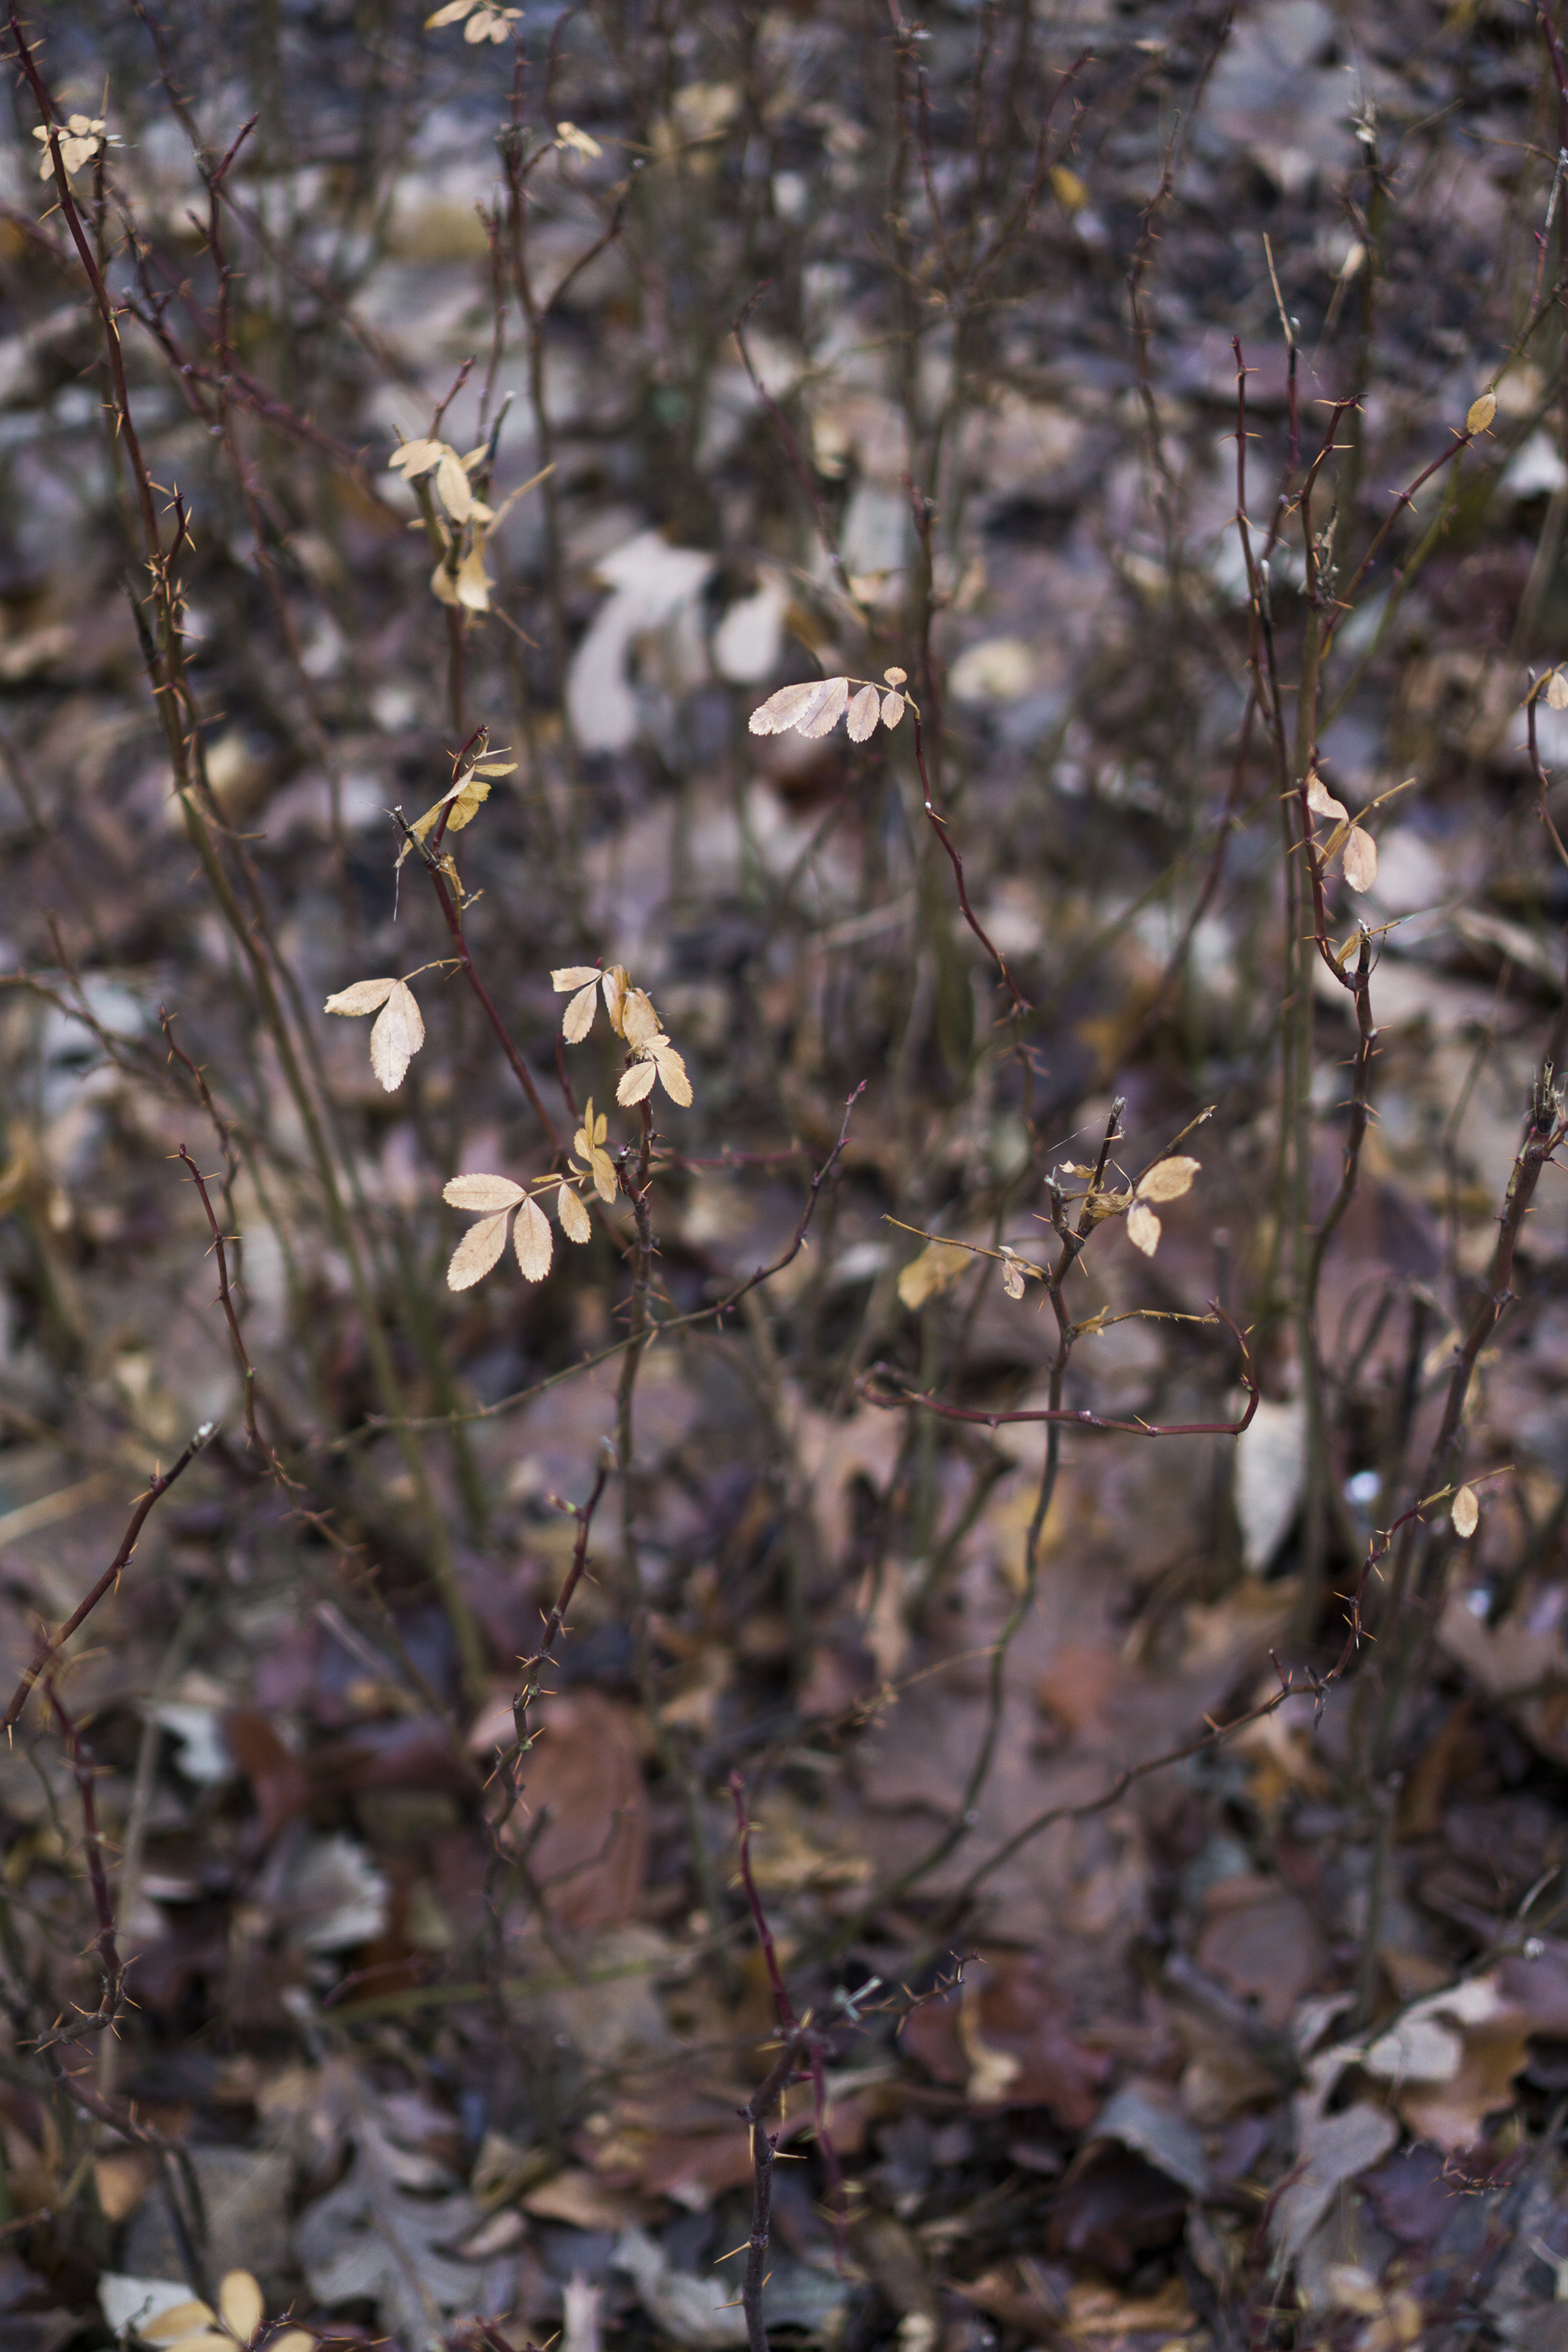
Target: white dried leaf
(571, 976)
(482, 1193)
(578, 1017)
(576, 1223)
(364, 996)
(778, 714)
(477, 1252)
(1012, 1274)
(892, 710)
(443, 587)
(1322, 802)
(1143, 1228)
(452, 14)
(453, 487)
(636, 1082)
(1557, 692)
(239, 2299)
(415, 457)
(175, 2320)
(397, 1036)
(532, 1240)
(895, 676)
(1480, 414)
(864, 713)
(1168, 1179)
(1361, 858)
(672, 1072)
(826, 715)
(1466, 1513)
(639, 1022)
(473, 583)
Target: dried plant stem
(173, 698)
(47, 1654)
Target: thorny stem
(49, 1651)
(1073, 1240)
(236, 1338)
(172, 698)
(939, 826)
(454, 921)
(104, 1944)
(657, 1328)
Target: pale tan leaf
(603, 1169)
(415, 457)
(498, 768)
(1320, 801)
(1467, 1512)
(180, 2319)
(294, 2339)
(207, 2339)
(1361, 859)
(672, 1073)
(1011, 1275)
(533, 1241)
(1143, 1228)
(576, 1223)
(477, 1252)
(1480, 414)
(452, 14)
(396, 1037)
(1557, 692)
(924, 1277)
(364, 996)
(639, 1022)
(615, 984)
(638, 1082)
(578, 1017)
(453, 487)
(892, 710)
(241, 2303)
(778, 714)
(467, 797)
(827, 714)
(895, 676)
(573, 976)
(443, 587)
(481, 1193)
(474, 582)
(1168, 1179)
(864, 713)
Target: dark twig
(49, 1649)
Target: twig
(49, 1649)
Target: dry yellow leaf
(1360, 859)
(481, 1193)
(1467, 1512)
(532, 1240)
(1168, 1179)
(575, 1221)
(477, 1252)
(242, 2304)
(1143, 1228)
(1481, 413)
(1557, 692)
(396, 1037)
(925, 1276)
